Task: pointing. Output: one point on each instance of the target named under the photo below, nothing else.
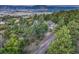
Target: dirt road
(43, 46)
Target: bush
(2, 27)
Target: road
(43, 46)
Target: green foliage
(71, 20)
(63, 42)
(13, 45)
(74, 29)
(18, 30)
(39, 28)
(2, 27)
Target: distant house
(1, 21)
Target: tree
(74, 31)
(63, 42)
(39, 28)
(13, 45)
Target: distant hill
(37, 8)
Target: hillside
(56, 33)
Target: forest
(20, 33)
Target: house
(51, 25)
